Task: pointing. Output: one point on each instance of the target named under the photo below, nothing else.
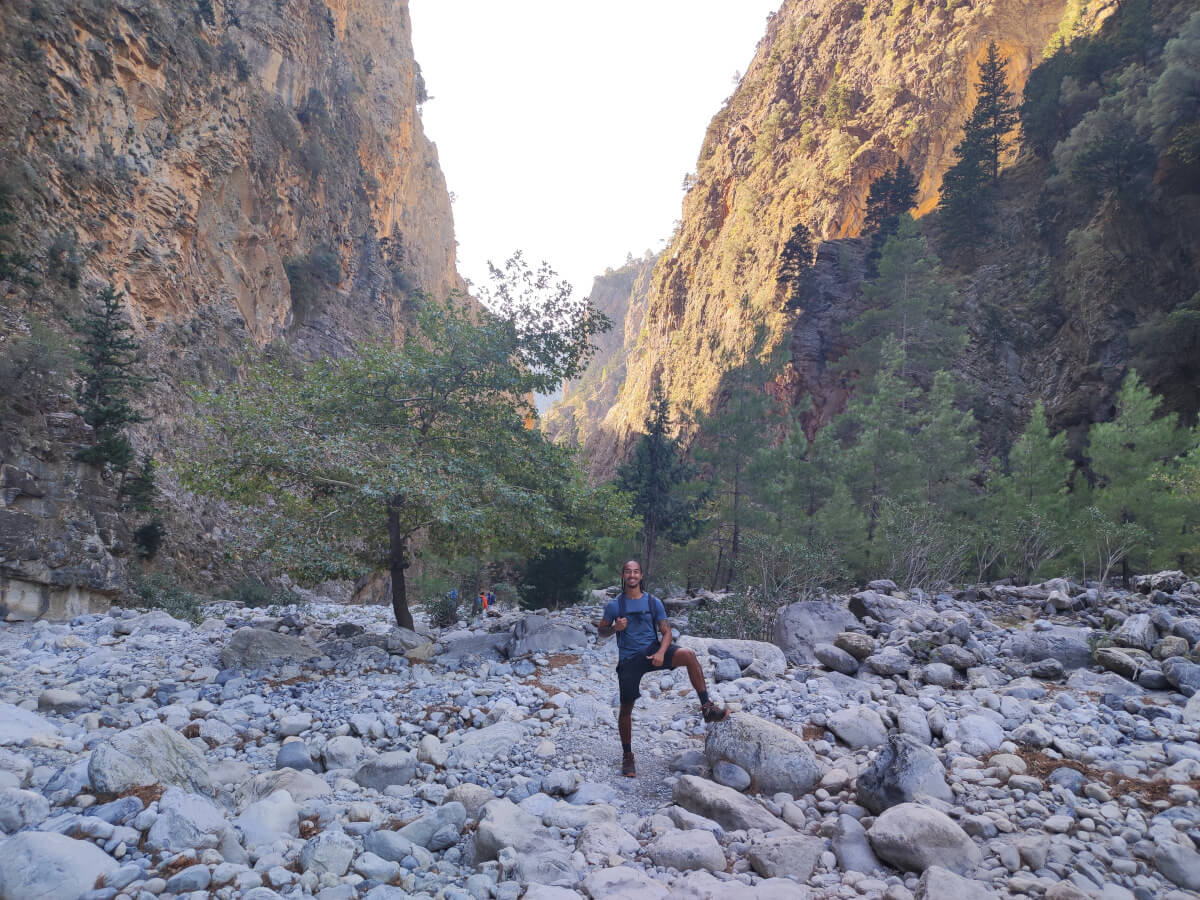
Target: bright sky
(565, 128)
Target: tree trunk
(650, 538)
(398, 562)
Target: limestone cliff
(836, 94)
(249, 171)
(621, 295)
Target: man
(642, 649)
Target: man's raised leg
(685, 657)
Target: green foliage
(204, 10)
(339, 464)
(161, 590)
(1132, 458)
(33, 365)
(140, 488)
(253, 593)
(1105, 154)
(148, 538)
(965, 196)
(796, 263)
(554, 577)
(994, 115)
(778, 572)
(1174, 98)
(442, 609)
(661, 482)
(838, 105)
(309, 276)
(63, 262)
(909, 302)
(14, 264)
(110, 383)
(892, 194)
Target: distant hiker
(479, 604)
(491, 599)
(484, 601)
(644, 645)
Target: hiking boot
(627, 767)
(713, 713)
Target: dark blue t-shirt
(640, 633)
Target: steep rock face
(249, 172)
(620, 294)
(836, 94)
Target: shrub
(283, 128)
(442, 609)
(148, 538)
(63, 262)
(161, 590)
(308, 275)
(554, 576)
(253, 593)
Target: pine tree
(947, 450)
(907, 301)
(1030, 526)
(796, 263)
(660, 479)
(110, 357)
(964, 202)
(891, 195)
(995, 114)
(1132, 459)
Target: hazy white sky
(565, 128)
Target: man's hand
(656, 659)
(620, 623)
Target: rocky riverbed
(1026, 742)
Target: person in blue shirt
(642, 647)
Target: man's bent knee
(683, 657)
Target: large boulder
(21, 809)
(462, 648)
(1184, 676)
(941, 884)
(271, 819)
(147, 755)
(437, 829)
(686, 850)
(387, 769)
(540, 634)
(902, 771)
(43, 865)
(858, 727)
(787, 856)
(914, 837)
(1067, 645)
(801, 626)
(623, 882)
(725, 806)
(504, 824)
(258, 648)
(775, 759)
(1137, 632)
(482, 745)
(20, 726)
(186, 820)
(301, 785)
(762, 659)
(880, 607)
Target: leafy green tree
(342, 464)
(661, 481)
(1132, 458)
(1104, 154)
(110, 380)
(891, 195)
(907, 301)
(554, 576)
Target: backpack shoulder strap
(621, 606)
(652, 601)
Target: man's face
(631, 574)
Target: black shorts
(631, 670)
